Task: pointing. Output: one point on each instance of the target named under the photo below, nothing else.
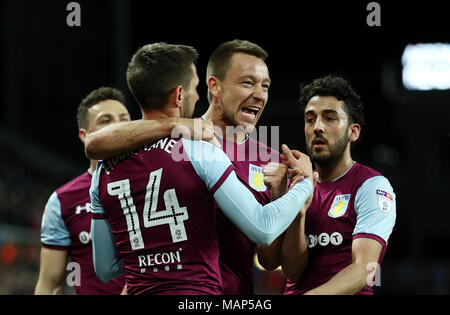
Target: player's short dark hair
(156, 69)
(219, 62)
(93, 98)
(339, 88)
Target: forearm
(261, 224)
(106, 263)
(47, 288)
(51, 273)
(349, 280)
(127, 136)
(269, 256)
(294, 250)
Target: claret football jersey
(163, 218)
(236, 250)
(359, 204)
(66, 225)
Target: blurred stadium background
(47, 67)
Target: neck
(214, 114)
(155, 114)
(331, 172)
(92, 166)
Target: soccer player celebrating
(238, 87)
(336, 245)
(156, 205)
(66, 221)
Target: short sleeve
(97, 209)
(54, 232)
(375, 207)
(210, 163)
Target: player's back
(163, 221)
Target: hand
(275, 178)
(195, 129)
(300, 166)
(208, 133)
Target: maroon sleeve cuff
(55, 247)
(222, 179)
(371, 236)
(98, 216)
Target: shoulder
(199, 150)
(364, 172)
(367, 176)
(82, 181)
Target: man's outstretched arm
(131, 135)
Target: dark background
(47, 67)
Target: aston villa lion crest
(256, 178)
(339, 206)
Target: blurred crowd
(23, 195)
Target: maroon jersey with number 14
(163, 220)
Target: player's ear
(214, 86)
(82, 134)
(354, 132)
(177, 96)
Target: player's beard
(336, 152)
(188, 107)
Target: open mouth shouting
(250, 113)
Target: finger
(268, 180)
(272, 172)
(287, 152)
(295, 171)
(296, 180)
(297, 154)
(274, 166)
(315, 177)
(283, 159)
(215, 142)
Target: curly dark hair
(339, 88)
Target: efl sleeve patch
(385, 200)
(375, 208)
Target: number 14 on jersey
(173, 215)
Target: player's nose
(318, 126)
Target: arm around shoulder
(127, 136)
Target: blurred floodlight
(426, 66)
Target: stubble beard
(336, 152)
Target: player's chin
(320, 156)
(248, 122)
(243, 126)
